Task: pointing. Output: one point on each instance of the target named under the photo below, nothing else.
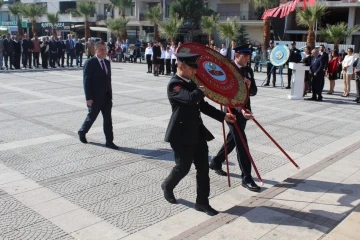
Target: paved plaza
(54, 187)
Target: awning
(287, 8)
(99, 29)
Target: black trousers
(290, 71)
(36, 59)
(270, 70)
(9, 57)
(44, 59)
(26, 57)
(162, 66)
(317, 86)
(104, 106)
(168, 66)
(185, 155)
(60, 59)
(70, 56)
(17, 57)
(53, 59)
(233, 140)
(149, 62)
(173, 65)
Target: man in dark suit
(9, 52)
(242, 55)
(98, 94)
(295, 56)
(53, 49)
(230, 54)
(317, 73)
(187, 134)
(27, 46)
(61, 46)
(70, 51)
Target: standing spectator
(53, 52)
(156, 57)
(118, 50)
(173, 58)
(295, 57)
(348, 71)
(9, 52)
(223, 50)
(110, 48)
(230, 53)
(148, 56)
(1, 52)
(270, 69)
(332, 70)
(307, 62)
(36, 51)
(17, 52)
(70, 48)
(61, 46)
(325, 56)
(162, 61)
(168, 60)
(27, 47)
(79, 51)
(137, 53)
(44, 48)
(317, 72)
(342, 56)
(90, 48)
(357, 79)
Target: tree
(121, 5)
(209, 24)
(117, 25)
(53, 18)
(308, 17)
(154, 15)
(15, 10)
(33, 11)
(229, 30)
(242, 36)
(337, 33)
(191, 11)
(86, 9)
(170, 28)
(1, 3)
(266, 4)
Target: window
(4, 16)
(131, 10)
(64, 6)
(108, 8)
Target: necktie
(104, 70)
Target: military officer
(295, 56)
(187, 134)
(242, 55)
(271, 69)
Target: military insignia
(279, 55)
(177, 88)
(223, 81)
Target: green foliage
(53, 18)
(229, 30)
(170, 28)
(117, 25)
(337, 32)
(1, 3)
(307, 17)
(267, 4)
(154, 14)
(15, 9)
(190, 10)
(242, 35)
(121, 5)
(33, 11)
(209, 23)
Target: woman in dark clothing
(17, 53)
(333, 70)
(156, 57)
(307, 62)
(44, 49)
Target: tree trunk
(266, 36)
(311, 39)
(156, 32)
(123, 35)
(87, 29)
(54, 30)
(20, 29)
(33, 23)
(211, 37)
(336, 45)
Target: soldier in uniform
(271, 69)
(187, 134)
(295, 56)
(242, 54)
(61, 46)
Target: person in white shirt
(223, 50)
(168, 54)
(162, 61)
(148, 56)
(348, 71)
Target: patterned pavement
(40, 113)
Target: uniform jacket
(95, 80)
(27, 45)
(187, 102)
(8, 46)
(325, 58)
(317, 65)
(295, 55)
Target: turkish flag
(276, 12)
(311, 2)
(216, 73)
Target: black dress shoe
(82, 138)
(311, 99)
(266, 84)
(168, 195)
(111, 145)
(206, 209)
(251, 186)
(218, 171)
(288, 87)
(319, 99)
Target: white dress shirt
(101, 64)
(223, 52)
(148, 51)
